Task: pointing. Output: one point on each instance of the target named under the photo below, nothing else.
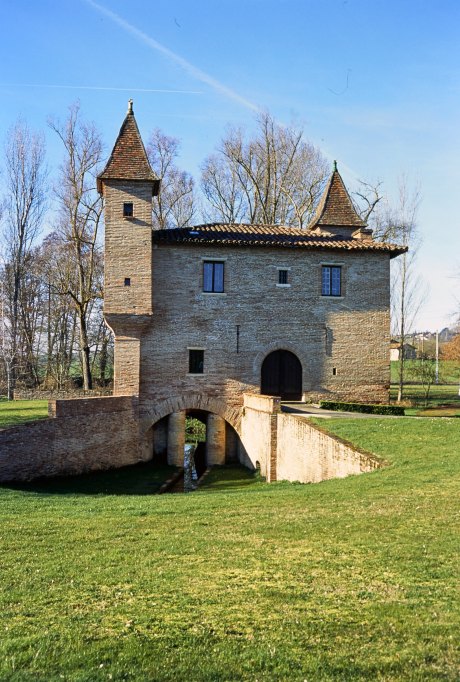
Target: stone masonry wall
(341, 342)
(80, 436)
(308, 455)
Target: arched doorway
(281, 375)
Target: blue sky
(376, 84)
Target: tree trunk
(85, 355)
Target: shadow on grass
(139, 479)
(231, 477)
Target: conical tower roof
(128, 160)
(336, 208)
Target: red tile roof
(268, 235)
(128, 160)
(336, 208)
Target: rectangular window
(195, 361)
(128, 210)
(282, 276)
(213, 276)
(127, 281)
(331, 280)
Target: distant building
(410, 352)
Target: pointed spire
(128, 160)
(336, 209)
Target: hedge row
(395, 410)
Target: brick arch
(232, 415)
(277, 345)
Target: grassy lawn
(449, 371)
(16, 412)
(355, 579)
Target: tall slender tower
(128, 184)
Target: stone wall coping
(262, 403)
(96, 405)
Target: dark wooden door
(282, 375)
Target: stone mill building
(221, 322)
(203, 315)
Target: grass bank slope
(354, 579)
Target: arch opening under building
(220, 446)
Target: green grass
(16, 412)
(449, 371)
(353, 579)
(440, 394)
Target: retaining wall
(307, 454)
(80, 436)
(290, 448)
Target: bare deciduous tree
(276, 177)
(25, 179)
(176, 204)
(398, 223)
(80, 218)
(367, 198)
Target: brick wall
(308, 455)
(259, 433)
(42, 394)
(128, 248)
(342, 343)
(290, 448)
(80, 436)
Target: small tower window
(127, 281)
(128, 210)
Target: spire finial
(335, 166)
(130, 106)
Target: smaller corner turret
(128, 185)
(336, 214)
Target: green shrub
(395, 410)
(195, 430)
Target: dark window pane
(282, 276)
(326, 281)
(208, 276)
(127, 210)
(335, 281)
(195, 361)
(218, 277)
(127, 281)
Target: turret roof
(336, 208)
(128, 160)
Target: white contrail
(97, 87)
(177, 59)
